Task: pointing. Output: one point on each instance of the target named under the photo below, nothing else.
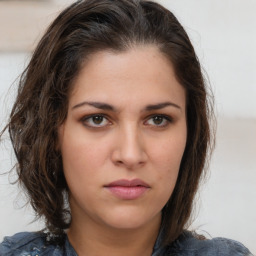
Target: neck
(94, 239)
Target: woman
(111, 132)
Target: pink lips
(128, 189)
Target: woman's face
(123, 139)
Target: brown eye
(159, 120)
(96, 121)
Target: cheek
(169, 152)
(82, 162)
(166, 158)
(80, 154)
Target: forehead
(136, 74)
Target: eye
(95, 121)
(159, 120)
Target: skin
(127, 140)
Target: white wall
(224, 35)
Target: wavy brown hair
(40, 108)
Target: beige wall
(23, 22)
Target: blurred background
(224, 35)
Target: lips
(128, 189)
(128, 183)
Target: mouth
(128, 189)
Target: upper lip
(128, 183)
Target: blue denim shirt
(34, 244)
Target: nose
(129, 151)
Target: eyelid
(87, 117)
(162, 115)
(168, 118)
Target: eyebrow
(105, 106)
(161, 105)
(99, 105)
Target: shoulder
(188, 244)
(28, 243)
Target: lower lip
(127, 193)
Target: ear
(60, 133)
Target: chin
(130, 219)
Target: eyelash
(85, 120)
(165, 118)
